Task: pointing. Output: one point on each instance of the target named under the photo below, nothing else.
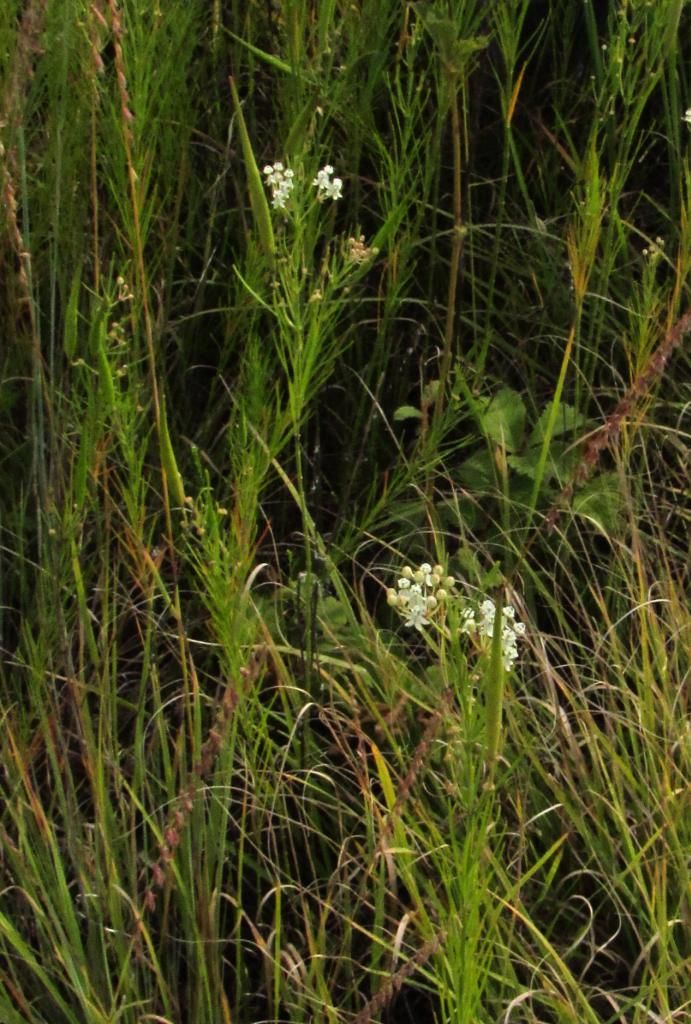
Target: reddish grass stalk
(418, 759)
(184, 802)
(609, 431)
(27, 49)
(394, 983)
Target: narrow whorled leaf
(169, 462)
(504, 419)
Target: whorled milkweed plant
(427, 596)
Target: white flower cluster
(421, 593)
(483, 627)
(687, 116)
(328, 187)
(280, 181)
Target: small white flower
(403, 583)
(416, 618)
(469, 625)
(417, 607)
(687, 116)
(488, 611)
(328, 187)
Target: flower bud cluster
(481, 624)
(358, 251)
(421, 593)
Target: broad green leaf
(455, 52)
(568, 420)
(521, 489)
(477, 472)
(406, 412)
(525, 464)
(458, 509)
(504, 419)
(561, 462)
(334, 615)
(601, 502)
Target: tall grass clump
(344, 575)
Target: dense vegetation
(245, 774)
